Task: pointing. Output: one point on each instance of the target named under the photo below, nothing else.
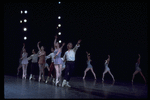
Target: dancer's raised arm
(77, 45)
(38, 45)
(55, 41)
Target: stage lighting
(25, 37)
(59, 17)
(59, 2)
(25, 11)
(59, 41)
(59, 33)
(20, 21)
(59, 25)
(21, 11)
(25, 20)
(25, 29)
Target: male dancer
(69, 56)
(52, 69)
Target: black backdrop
(114, 28)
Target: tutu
(89, 65)
(106, 67)
(137, 68)
(24, 60)
(58, 59)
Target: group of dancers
(58, 64)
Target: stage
(17, 88)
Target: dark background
(115, 28)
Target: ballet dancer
(20, 65)
(69, 56)
(46, 66)
(34, 64)
(64, 64)
(41, 62)
(89, 66)
(57, 60)
(52, 69)
(24, 62)
(138, 69)
(107, 69)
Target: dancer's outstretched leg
(85, 72)
(143, 76)
(134, 75)
(104, 74)
(93, 73)
(111, 75)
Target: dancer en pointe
(52, 71)
(20, 65)
(107, 69)
(57, 60)
(24, 62)
(138, 69)
(69, 57)
(41, 62)
(89, 66)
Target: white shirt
(51, 55)
(70, 55)
(34, 58)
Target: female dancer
(69, 56)
(138, 69)
(89, 67)
(52, 69)
(34, 63)
(107, 69)
(24, 62)
(41, 62)
(20, 65)
(57, 59)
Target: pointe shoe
(67, 84)
(102, 80)
(64, 83)
(132, 81)
(39, 79)
(56, 82)
(47, 79)
(83, 78)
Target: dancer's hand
(39, 42)
(55, 36)
(79, 41)
(63, 44)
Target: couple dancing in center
(69, 58)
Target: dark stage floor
(15, 87)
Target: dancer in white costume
(107, 69)
(34, 64)
(138, 69)
(24, 62)
(89, 66)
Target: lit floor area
(17, 88)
